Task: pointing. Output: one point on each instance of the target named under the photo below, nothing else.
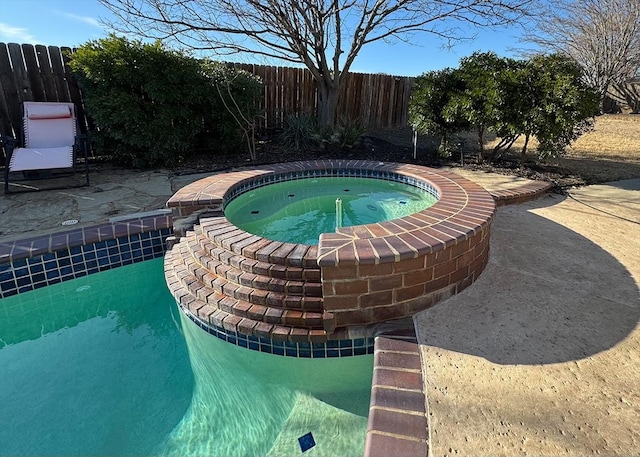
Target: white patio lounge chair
(50, 143)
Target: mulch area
(390, 145)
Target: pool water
(107, 365)
(299, 211)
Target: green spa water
(107, 365)
(299, 211)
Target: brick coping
(521, 194)
(463, 209)
(398, 421)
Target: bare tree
(323, 35)
(602, 36)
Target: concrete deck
(541, 356)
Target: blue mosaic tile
(53, 274)
(54, 267)
(64, 262)
(8, 283)
(333, 348)
(38, 278)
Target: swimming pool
(106, 365)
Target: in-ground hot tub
(229, 280)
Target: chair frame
(79, 149)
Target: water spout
(338, 213)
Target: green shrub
(152, 106)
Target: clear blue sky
(73, 22)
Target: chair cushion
(44, 111)
(41, 158)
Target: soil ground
(610, 153)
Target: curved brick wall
(342, 288)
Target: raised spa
(235, 282)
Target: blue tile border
(332, 348)
(30, 273)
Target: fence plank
(10, 119)
(62, 84)
(33, 72)
(46, 74)
(20, 73)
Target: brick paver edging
(398, 411)
(520, 194)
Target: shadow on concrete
(548, 295)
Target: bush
(152, 106)
(348, 133)
(299, 132)
(302, 131)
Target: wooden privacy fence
(41, 73)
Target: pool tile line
(37, 262)
(39, 245)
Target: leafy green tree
(434, 107)
(516, 112)
(566, 105)
(544, 97)
(152, 106)
(239, 93)
(484, 97)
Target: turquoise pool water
(107, 365)
(299, 211)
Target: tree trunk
(523, 155)
(327, 104)
(481, 144)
